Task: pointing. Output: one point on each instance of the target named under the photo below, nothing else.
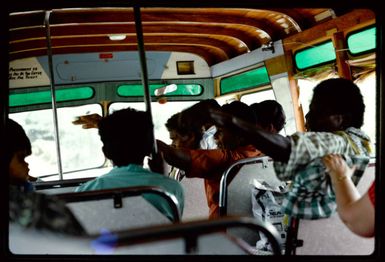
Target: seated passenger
(18, 148)
(26, 207)
(334, 121)
(192, 128)
(181, 136)
(181, 133)
(210, 164)
(126, 136)
(356, 211)
(199, 117)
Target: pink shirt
(371, 194)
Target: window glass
(80, 148)
(43, 97)
(316, 55)
(258, 97)
(250, 79)
(160, 114)
(168, 90)
(362, 41)
(368, 90)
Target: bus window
(258, 97)
(367, 86)
(80, 148)
(161, 113)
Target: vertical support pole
(143, 64)
(53, 93)
(294, 90)
(341, 55)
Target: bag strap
(350, 141)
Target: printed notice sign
(27, 72)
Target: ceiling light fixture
(117, 37)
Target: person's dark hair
(127, 136)
(240, 110)
(202, 107)
(341, 96)
(15, 140)
(269, 112)
(244, 112)
(175, 123)
(199, 113)
(191, 120)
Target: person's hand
(88, 121)
(337, 168)
(157, 163)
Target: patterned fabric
(40, 211)
(372, 194)
(311, 195)
(176, 174)
(135, 175)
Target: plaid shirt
(311, 195)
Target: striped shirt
(311, 195)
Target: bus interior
(72, 60)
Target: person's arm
(88, 121)
(179, 158)
(355, 211)
(276, 146)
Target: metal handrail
(190, 231)
(123, 192)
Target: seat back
(118, 209)
(235, 190)
(200, 236)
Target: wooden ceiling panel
(220, 32)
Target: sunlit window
(368, 90)
(258, 97)
(160, 114)
(80, 148)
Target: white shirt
(208, 140)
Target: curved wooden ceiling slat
(305, 18)
(275, 24)
(229, 45)
(246, 34)
(220, 32)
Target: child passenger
(18, 148)
(26, 207)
